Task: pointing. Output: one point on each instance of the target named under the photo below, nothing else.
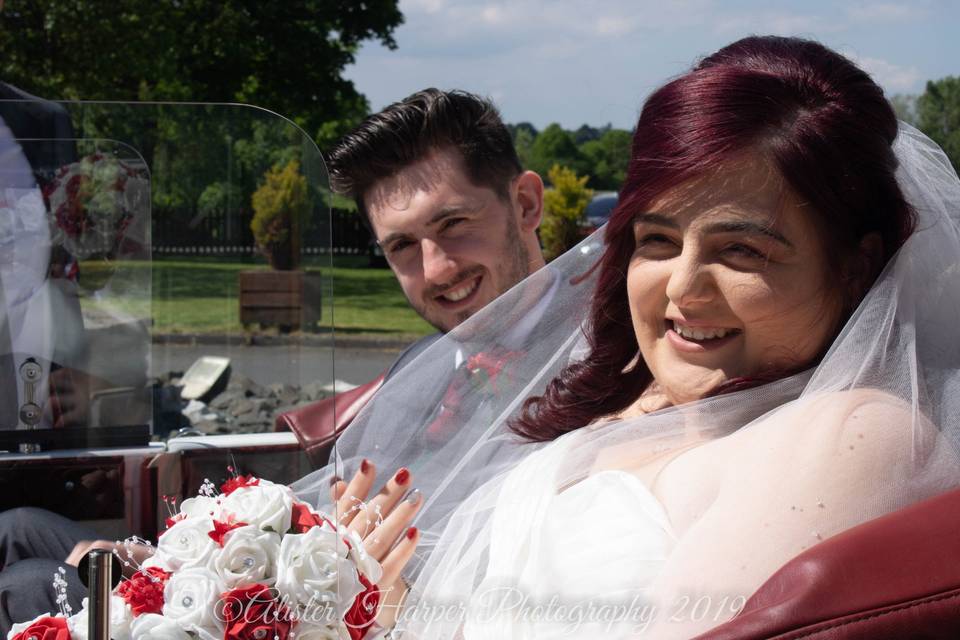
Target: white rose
(307, 631)
(314, 567)
(366, 563)
(151, 626)
(156, 560)
(121, 619)
(200, 507)
(266, 505)
(190, 597)
(249, 556)
(20, 626)
(187, 544)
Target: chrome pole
(99, 585)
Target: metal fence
(186, 232)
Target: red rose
(239, 482)
(45, 628)
(252, 613)
(364, 610)
(171, 521)
(144, 590)
(303, 519)
(220, 529)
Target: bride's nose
(691, 281)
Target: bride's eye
(655, 242)
(742, 250)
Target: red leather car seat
(317, 425)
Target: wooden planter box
(286, 299)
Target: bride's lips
(685, 345)
(461, 294)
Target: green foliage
(608, 157)
(284, 56)
(555, 146)
(938, 115)
(563, 207)
(280, 208)
(523, 142)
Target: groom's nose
(438, 266)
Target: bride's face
(729, 279)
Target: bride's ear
(864, 266)
(529, 200)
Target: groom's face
(454, 246)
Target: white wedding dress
(549, 572)
(554, 546)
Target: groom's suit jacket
(318, 425)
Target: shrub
(563, 206)
(280, 209)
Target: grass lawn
(199, 295)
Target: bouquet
(92, 203)
(248, 563)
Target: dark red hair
(822, 123)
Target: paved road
(280, 363)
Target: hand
(69, 398)
(138, 553)
(382, 521)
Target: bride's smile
(728, 280)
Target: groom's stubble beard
(513, 267)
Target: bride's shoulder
(860, 426)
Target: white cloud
(424, 6)
(892, 77)
(885, 12)
(779, 23)
(493, 14)
(614, 25)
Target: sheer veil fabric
(661, 525)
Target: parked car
(598, 211)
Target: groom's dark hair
(408, 131)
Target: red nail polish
(364, 466)
(411, 533)
(402, 476)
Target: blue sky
(594, 62)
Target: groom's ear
(529, 200)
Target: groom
(437, 180)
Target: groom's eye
(399, 246)
(449, 223)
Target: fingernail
(334, 480)
(364, 466)
(402, 476)
(411, 533)
(413, 497)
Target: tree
(284, 56)
(938, 115)
(905, 106)
(523, 142)
(553, 146)
(608, 157)
(563, 208)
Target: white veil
(897, 358)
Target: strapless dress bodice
(570, 564)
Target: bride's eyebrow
(655, 218)
(727, 226)
(747, 227)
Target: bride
(766, 359)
